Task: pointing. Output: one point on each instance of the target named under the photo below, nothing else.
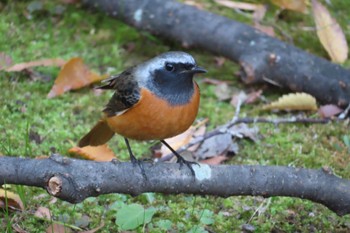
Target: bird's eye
(169, 67)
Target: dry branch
(74, 180)
(262, 58)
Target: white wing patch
(121, 112)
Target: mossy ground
(32, 30)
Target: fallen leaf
(178, 141)
(185, 138)
(43, 62)
(213, 146)
(73, 75)
(94, 229)
(259, 13)
(219, 61)
(268, 30)
(196, 4)
(223, 92)
(239, 5)
(13, 201)
(5, 60)
(294, 5)
(244, 131)
(43, 212)
(198, 133)
(57, 228)
(330, 33)
(97, 153)
(329, 110)
(294, 101)
(253, 96)
(214, 160)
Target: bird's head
(169, 75)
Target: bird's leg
(180, 160)
(135, 161)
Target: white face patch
(143, 70)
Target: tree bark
(262, 58)
(73, 180)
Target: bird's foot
(189, 164)
(139, 163)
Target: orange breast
(153, 118)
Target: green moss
(63, 31)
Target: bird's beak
(197, 70)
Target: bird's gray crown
(147, 68)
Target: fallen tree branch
(262, 58)
(74, 180)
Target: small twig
(247, 120)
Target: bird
(154, 100)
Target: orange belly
(154, 119)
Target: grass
(32, 30)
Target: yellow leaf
(97, 153)
(297, 101)
(13, 201)
(73, 75)
(185, 138)
(294, 5)
(330, 34)
(239, 5)
(43, 62)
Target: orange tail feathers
(98, 135)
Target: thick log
(262, 58)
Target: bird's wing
(126, 95)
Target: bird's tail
(98, 135)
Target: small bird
(154, 100)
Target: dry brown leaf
(219, 61)
(223, 91)
(73, 75)
(268, 30)
(57, 228)
(94, 229)
(43, 62)
(330, 34)
(214, 160)
(294, 101)
(100, 153)
(13, 201)
(329, 110)
(184, 138)
(43, 212)
(253, 96)
(294, 5)
(239, 5)
(196, 4)
(259, 13)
